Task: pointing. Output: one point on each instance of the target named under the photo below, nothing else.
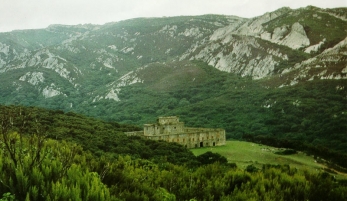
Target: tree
(35, 168)
(14, 122)
(209, 158)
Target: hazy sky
(32, 14)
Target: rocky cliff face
(241, 55)
(330, 64)
(242, 48)
(95, 62)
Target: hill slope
(280, 75)
(97, 136)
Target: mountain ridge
(242, 27)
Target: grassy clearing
(247, 153)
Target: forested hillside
(305, 115)
(96, 136)
(37, 164)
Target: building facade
(170, 129)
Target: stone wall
(163, 129)
(169, 129)
(193, 138)
(168, 120)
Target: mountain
(281, 74)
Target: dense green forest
(309, 116)
(93, 135)
(311, 112)
(42, 161)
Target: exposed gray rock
(246, 58)
(297, 37)
(51, 91)
(254, 27)
(33, 78)
(280, 32)
(314, 48)
(317, 67)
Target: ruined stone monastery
(170, 129)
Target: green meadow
(248, 153)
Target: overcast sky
(33, 14)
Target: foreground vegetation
(70, 173)
(85, 177)
(35, 167)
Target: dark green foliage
(251, 168)
(209, 158)
(136, 180)
(59, 174)
(7, 197)
(286, 152)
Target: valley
(275, 82)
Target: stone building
(170, 129)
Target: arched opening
(214, 144)
(201, 144)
